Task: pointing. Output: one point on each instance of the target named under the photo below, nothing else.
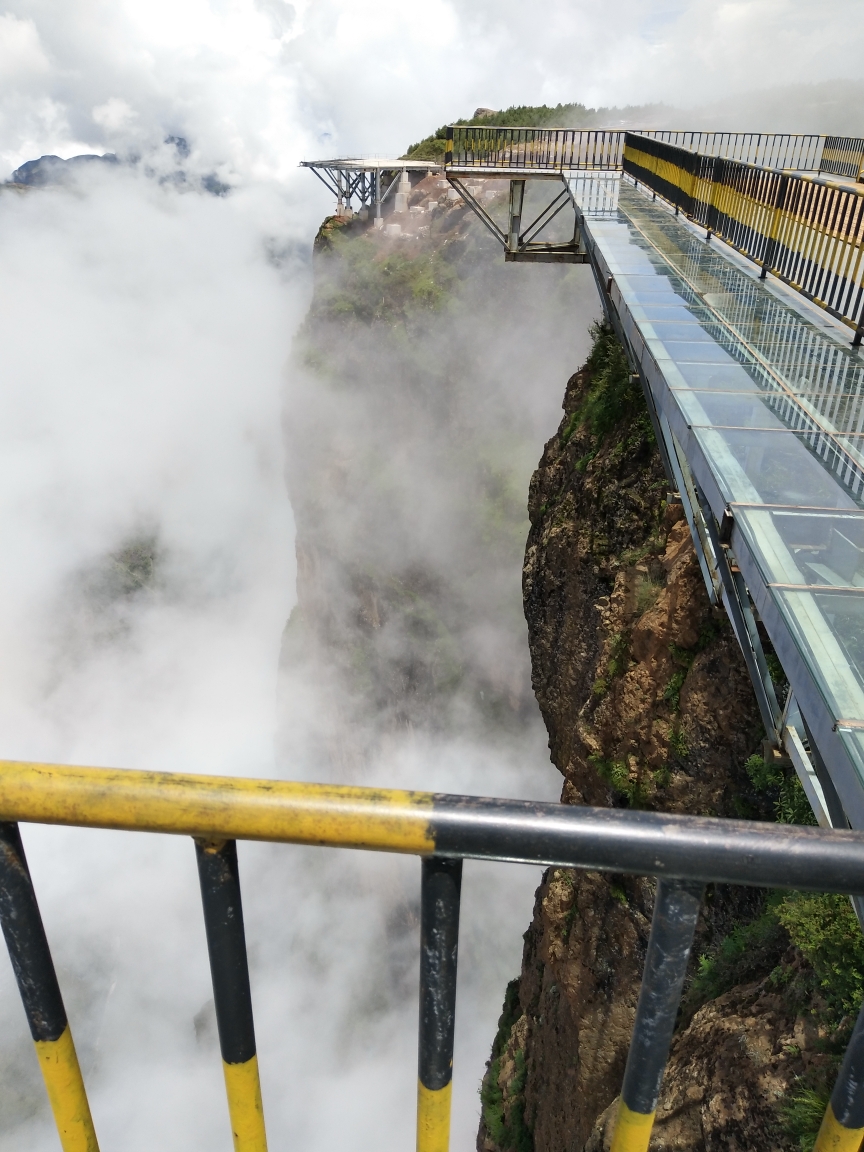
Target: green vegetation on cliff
(540, 116)
(503, 1108)
(360, 284)
(517, 116)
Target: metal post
(842, 1127)
(378, 220)
(43, 1002)
(439, 938)
(226, 942)
(517, 196)
(676, 910)
(774, 231)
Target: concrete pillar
(402, 193)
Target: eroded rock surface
(647, 702)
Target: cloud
(113, 114)
(259, 84)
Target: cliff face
(647, 702)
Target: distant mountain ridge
(52, 170)
(55, 170)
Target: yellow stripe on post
(833, 1137)
(433, 1118)
(632, 1130)
(61, 1072)
(245, 1108)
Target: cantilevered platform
(369, 181)
(759, 399)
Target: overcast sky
(258, 84)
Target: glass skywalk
(771, 400)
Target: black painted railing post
(40, 992)
(232, 997)
(774, 229)
(676, 910)
(842, 1127)
(439, 939)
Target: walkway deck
(762, 401)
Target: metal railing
(842, 156)
(540, 149)
(807, 230)
(561, 149)
(770, 149)
(683, 852)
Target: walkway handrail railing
(683, 852)
(566, 149)
(807, 230)
(539, 149)
(841, 156)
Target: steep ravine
(647, 703)
(420, 377)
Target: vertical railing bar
(40, 993)
(441, 886)
(676, 911)
(842, 1126)
(229, 967)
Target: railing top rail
(474, 128)
(372, 163)
(426, 823)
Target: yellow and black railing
(841, 156)
(232, 997)
(440, 893)
(40, 993)
(683, 852)
(807, 230)
(676, 911)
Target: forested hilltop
(543, 116)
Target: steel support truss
(521, 244)
(359, 184)
(369, 189)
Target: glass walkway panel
(762, 402)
